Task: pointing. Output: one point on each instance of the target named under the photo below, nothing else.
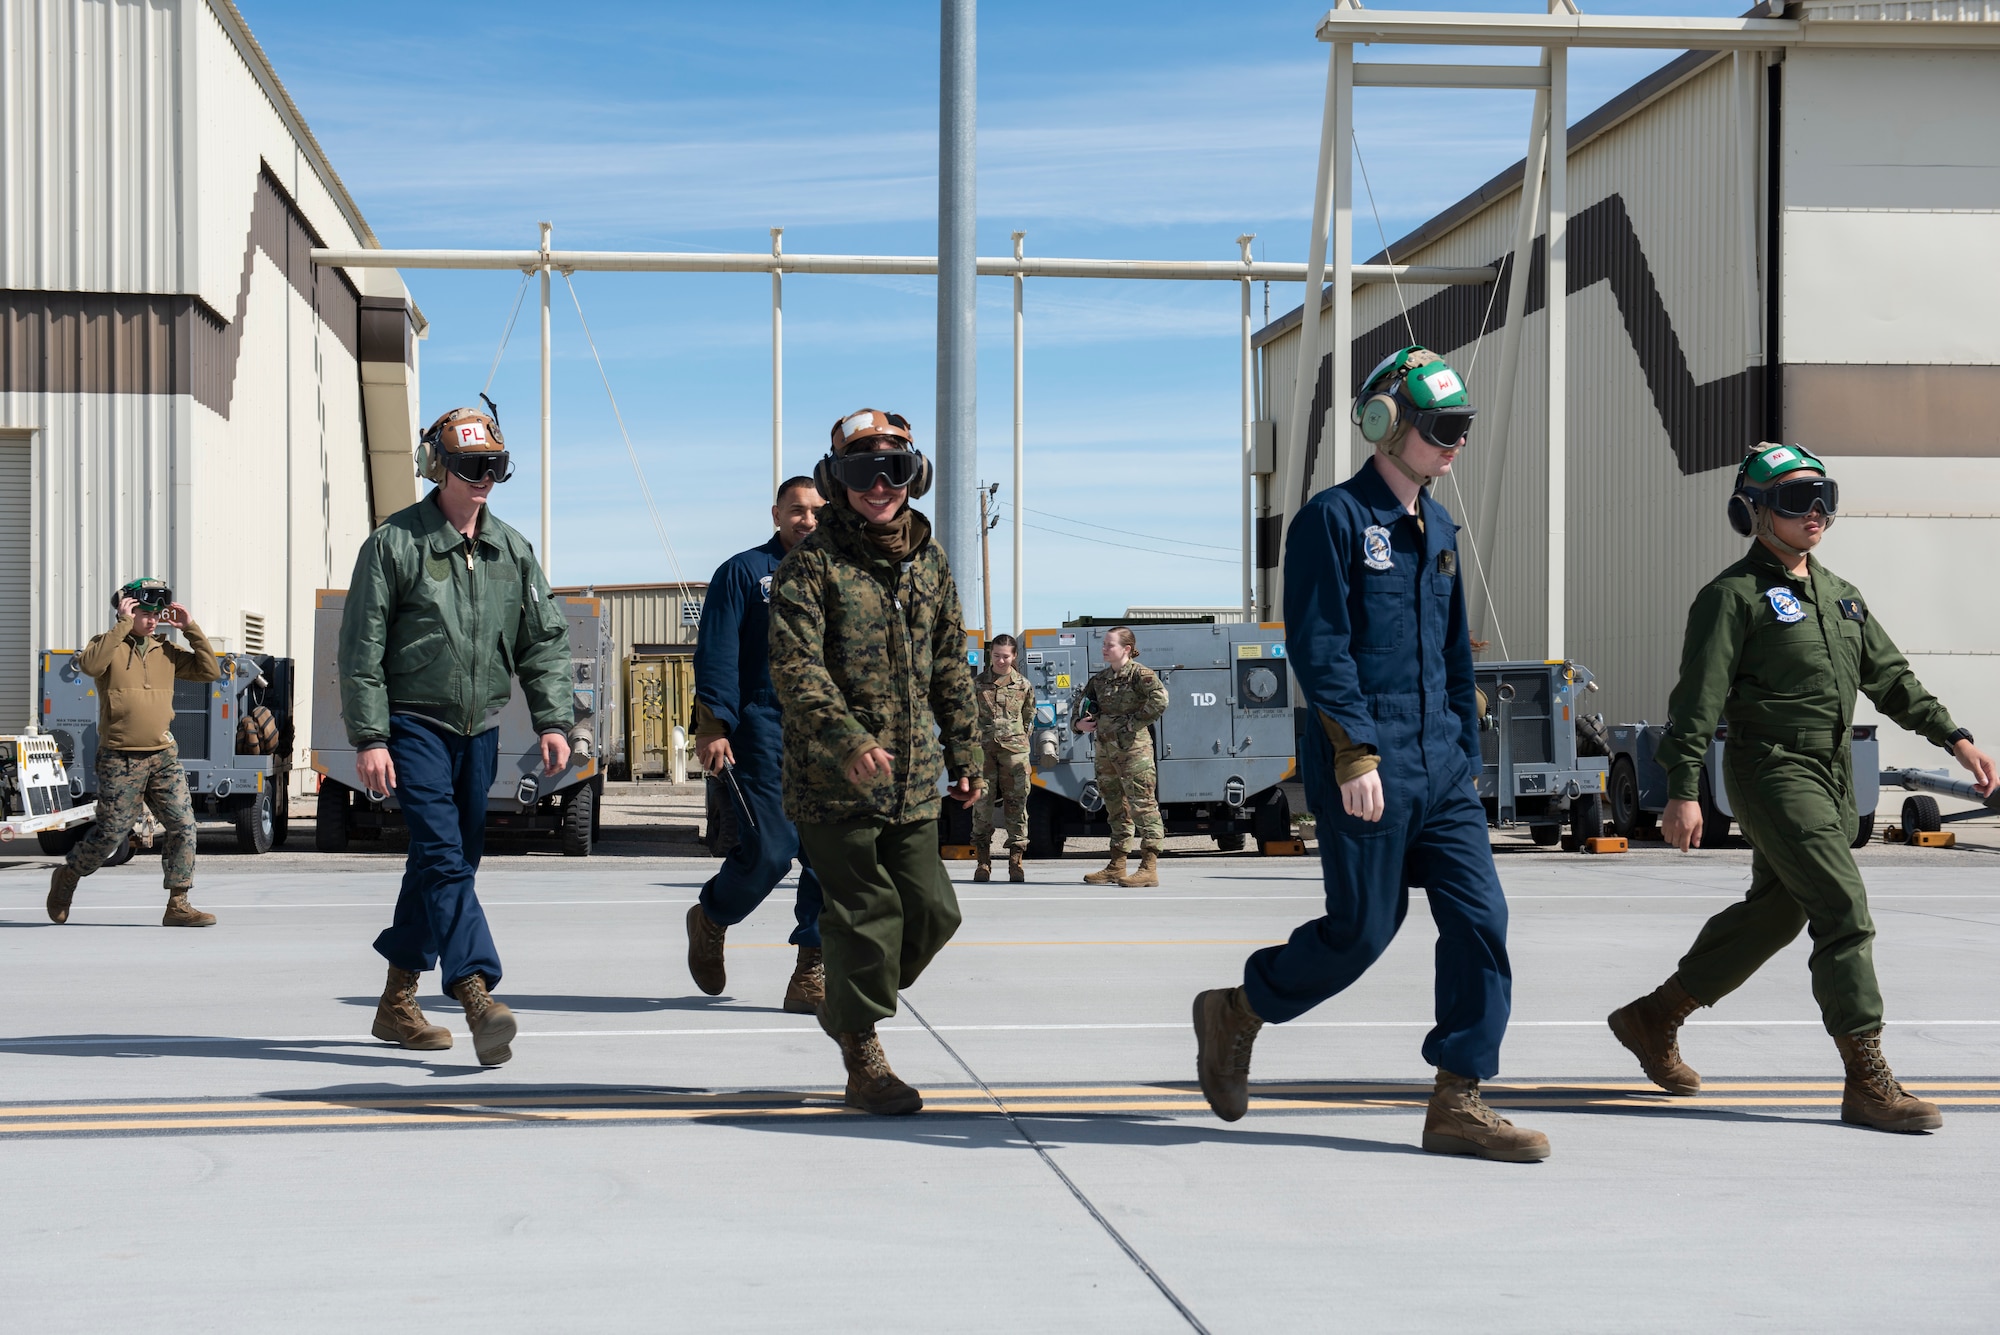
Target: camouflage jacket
(869, 651)
(1006, 711)
(1128, 699)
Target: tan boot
(62, 888)
(808, 985)
(492, 1024)
(1872, 1097)
(399, 1020)
(705, 951)
(1650, 1026)
(180, 913)
(1113, 872)
(982, 871)
(871, 1086)
(1148, 874)
(1224, 1029)
(1459, 1122)
(1015, 871)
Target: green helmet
(1767, 463)
(151, 594)
(1414, 385)
(1761, 491)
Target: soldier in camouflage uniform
(868, 661)
(1006, 717)
(137, 761)
(1125, 698)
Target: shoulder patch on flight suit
(765, 585)
(1852, 609)
(1375, 548)
(1448, 562)
(1785, 604)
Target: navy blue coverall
(732, 679)
(1375, 629)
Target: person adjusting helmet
(1765, 489)
(1413, 390)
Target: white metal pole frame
(1337, 433)
(1308, 366)
(548, 480)
(1020, 467)
(1556, 267)
(956, 509)
(777, 364)
(1249, 447)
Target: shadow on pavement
(604, 1005)
(336, 1052)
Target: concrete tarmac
(197, 1133)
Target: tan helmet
(907, 464)
(866, 423)
(464, 432)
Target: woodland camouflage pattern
(1129, 699)
(125, 780)
(869, 651)
(1006, 716)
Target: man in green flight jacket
(1778, 645)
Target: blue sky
(1156, 131)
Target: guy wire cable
(1056, 1168)
(630, 453)
(506, 333)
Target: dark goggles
(1445, 428)
(1797, 498)
(151, 596)
(860, 472)
(476, 468)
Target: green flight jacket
(869, 651)
(436, 624)
(1780, 657)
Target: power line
(1126, 546)
(1130, 533)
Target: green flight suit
(1781, 658)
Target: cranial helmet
(844, 467)
(465, 441)
(1757, 493)
(1413, 388)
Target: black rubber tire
(1545, 836)
(1231, 843)
(1273, 820)
(57, 843)
(281, 807)
(1864, 832)
(1623, 790)
(1920, 812)
(121, 854)
(334, 825)
(255, 824)
(1043, 841)
(1714, 825)
(597, 810)
(578, 819)
(1586, 818)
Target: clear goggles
(860, 472)
(477, 468)
(1797, 498)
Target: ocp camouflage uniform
(868, 650)
(1129, 699)
(1006, 718)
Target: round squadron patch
(1375, 547)
(765, 585)
(1785, 605)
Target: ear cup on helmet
(921, 483)
(1378, 417)
(1741, 517)
(823, 480)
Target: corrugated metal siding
(1663, 328)
(645, 614)
(17, 592)
(91, 156)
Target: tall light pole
(958, 291)
(548, 491)
(1019, 468)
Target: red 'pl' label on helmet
(472, 436)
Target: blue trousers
(441, 783)
(1432, 834)
(764, 857)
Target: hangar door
(16, 595)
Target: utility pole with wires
(988, 520)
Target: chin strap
(1766, 531)
(1394, 454)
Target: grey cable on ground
(1130, 1251)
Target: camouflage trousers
(1130, 786)
(1006, 780)
(126, 780)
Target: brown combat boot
(1649, 1027)
(492, 1024)
(1872, 1097)
(1015, 871)
(1114, 870)
(399, 1020)
(62, 888)
(1148, 874)
(1224, 1029)
(705, 951)
(984, 870)
(1459, 1122)
(808, 985)
(180, 913)
(871, 1086)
